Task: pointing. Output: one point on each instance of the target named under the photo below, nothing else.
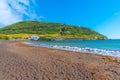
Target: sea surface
(104, 47)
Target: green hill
(50, 30)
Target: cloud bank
(17, 10)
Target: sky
(102, 16)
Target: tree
(62, 30)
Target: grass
(25, 36)
(46, 36)
(26, 29)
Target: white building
(35, 38)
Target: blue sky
(100, 15)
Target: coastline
(104, 52)
(21, 61)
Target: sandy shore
(22, 62)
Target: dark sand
(23, 62)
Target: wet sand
(22, 62)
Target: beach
(19, 61)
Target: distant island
(48, 30)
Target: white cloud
(6, 14)
(26, 2)
(17, 10)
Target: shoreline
(22, 61)
(111, 58)
(104, 52)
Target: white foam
(114, 53)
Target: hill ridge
(51, 30)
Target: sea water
(104, 47)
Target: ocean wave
(107, 52)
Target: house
(34, 38)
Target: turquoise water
(99, 44)
(103, 47)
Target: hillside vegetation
(48, 30)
